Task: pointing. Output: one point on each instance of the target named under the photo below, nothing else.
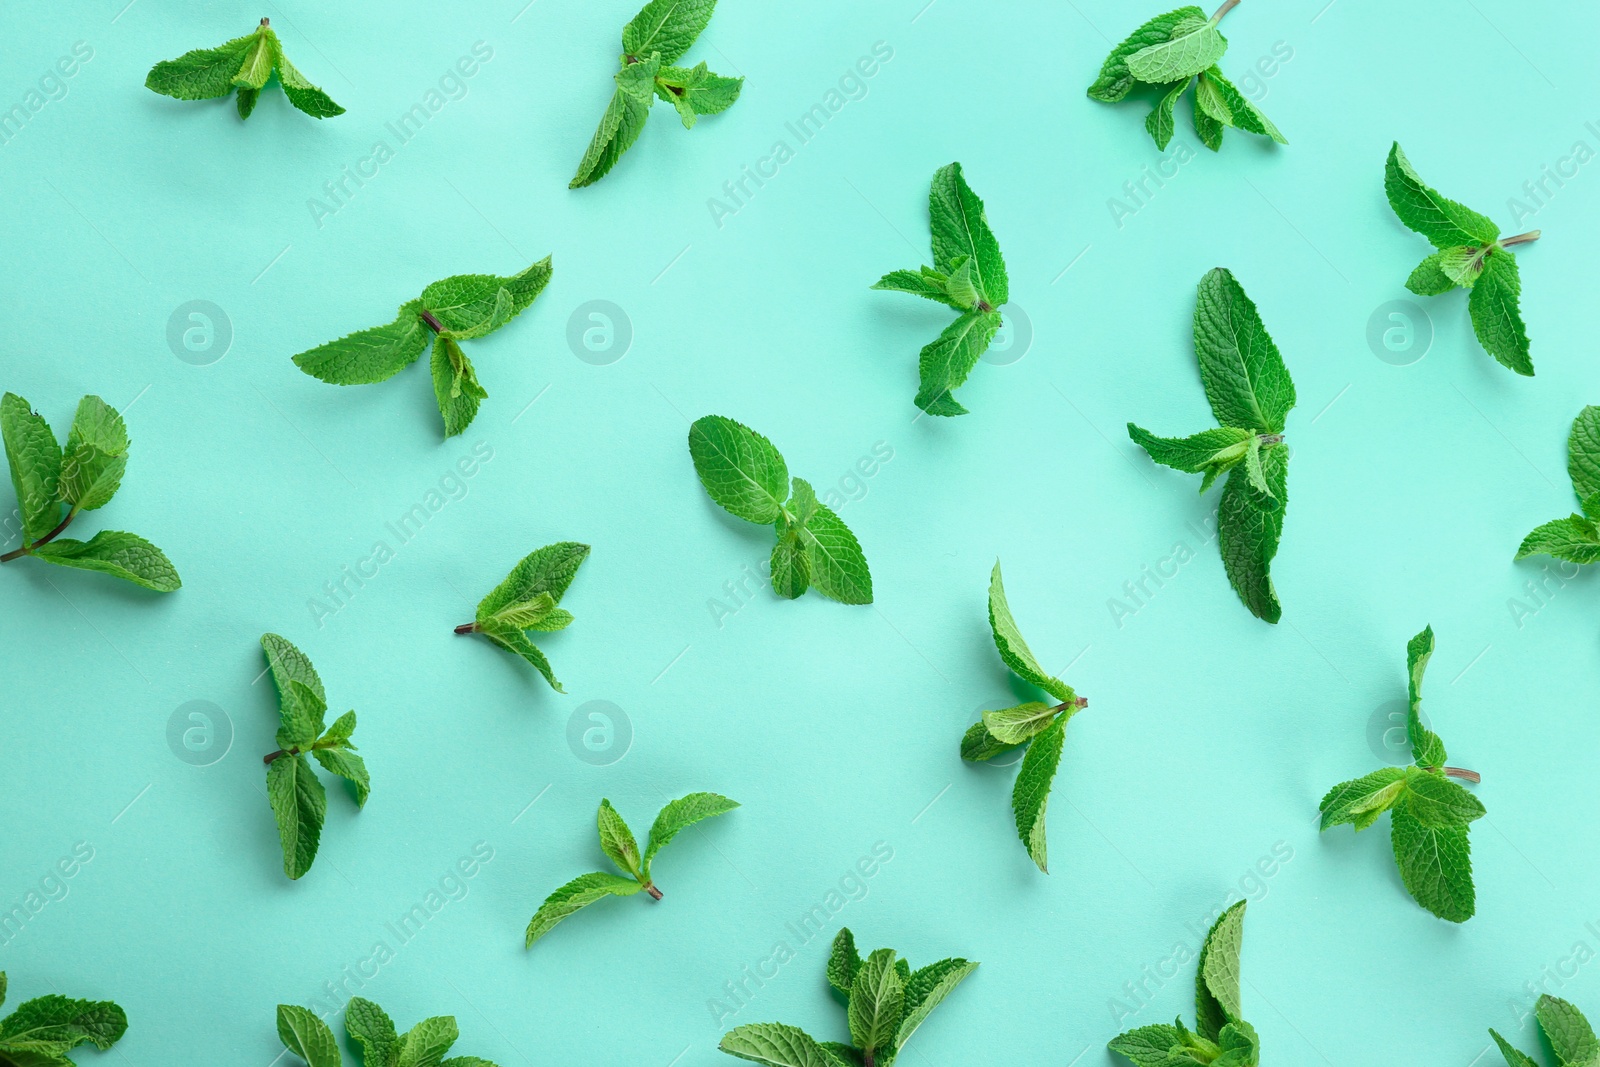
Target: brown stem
(985, 307)
(1520, 239)
(1228, 5)
(433, 323)
(467, 628)
(1075, 704)
(266, 22)
(650, 887)
(46, 539)
(1463, 774)
(270, 756)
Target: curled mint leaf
(246, 64)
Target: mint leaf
(877, 1003)
(300, 714)
(369, 356)
(620, 126)
(978, 744)
(122, 555)
(1245, 379)
(1571, 1038)
(455, 385)
(1194, 43)
(1161, 122)
(1441, 220)
(201, 74)
(1115, 79)
(666, 26)
(1248, 535)
(425, 1044)
(791, 571)
(1435, 864)
(1018, 725)
(616, 840)
(371, 1028)
(1031, 794)
(1222, 100)
(349, 766)
(1207, 127)
(574, 896)
(740, 469)
(945, 362)
(926, 989)
(1429, 277)
(35, 461)
(300, 805)
(245, 63)
(95, 455)
(1575, 539)
(843, 962)
(43, 1030)
(1222, 1037)
(1361, 800)
(776, 1045)
(307, 1036)
(525, 600)
(678, 816)
(1436, 801)
(1583, 452)
(926, 283)
(1463, 265)
(1512, 1056)
(1148, 1046)
(960, 228)
(1217, 977)
(1426, 748)
(1014, 651)
(1210, 451)
(301, 93)
(1496, 317)
(696, 91)
(834, 560)
(509, 637)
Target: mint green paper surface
(1193, 776)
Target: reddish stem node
(467, 628)
(1463, 774)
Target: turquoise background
(1209, 737)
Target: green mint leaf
(300, 712)
(307, 1036)
(300, 805)
(1207, 128)
(288, 664)
(513, 640)
(35, 461)
(619, 127)
(1240, 1046)
(246, 64)
(1441, 220)
(1429, 278)
(791, 571)
(877, 1003)
(301, 93)
(1463, 265)
(961, 228)
(1583, 453)
(470, 305)
(1426, 748)
(202, 74)
(371, 1028)
(425, 1044)
(960, 285)
(525, 614)
(843, 962)
(1254, 473)
(1193, 44)
(257, 66)
(1245, 379)
(1148, 1046)
(1031, 794)
(1219, 449)
(921, 283)
(1248, 535)
(54, 1025)
(246, 101)
(1496, 317)
(1575, 539)
(740, 469)
(1513, 1057)
(1208, 98)
(1435, 864)
(1217, 977)
(927, 987)
(338, 735)
(979, 744)
(123, 555)
(95, 455)
(1018, 725)
(1571, 1038)
(1224, 102)
(616, 840)
(945, 363)
(696, 91)
(575, 895)
(776, 1045)
(1013, 649)
(1162, 121)
(666, 26)
(1115, 79)
(1438, 802)
(369, 356)
(349, 766)
(834, 560)
(1361, 800)
(679, 815)
(546, 571)
(455, 385)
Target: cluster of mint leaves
(1471, 254)
(526, 600)
(1251, 394)
(1172, 52)
(885, 1002)
(1575, 538)
(1038, 724)
(455, 309)
(1220, 1037)
(1571, 1038)
(43, 1030)
(620, 847)
(246, 64)
(656, 38)
(1429, 815)
(81, 476)
(969, 275)
(298, 800)
(746, 476)
(424, 1045)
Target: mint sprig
(1251, 394)
(298, 800)
(459, 308)
(246, 64)
(746, 476)
(1429, 814)
(82, 476)
(652, 42)
(526, 601)
(1472, 255)
(1221, 1036)
(885, 1002)
(1571, 1037)
(41, 1031)
(1171, 52)
(1038, 724)
(424, 1045)
(969, 275)
(620, 847)
(1575, 538)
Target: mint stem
(268, 22)
(1227, 6)
(27, 550)
(1075, 704)
(1464, 774)
(1520, 239)
(467, 628)
(433, 323)
(270, 756)
(650, 887)
(984, 305)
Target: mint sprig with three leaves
(246, 64)
(41, 1031)
(1251, 394)
(885, 1002)
(1471, 254)
(526, 601)
(459, 308)
(82, 476)
(746, 476)
(1172, 52)
(620, 847)
(969, 275)
(1429, 815)
(298, 800)
(1571, 1037)
(1575, 538)
(1221, 1037)
(1038, 724)
(424, 1045)
(652, 42)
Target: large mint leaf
(1217, 977)
(300, 804)
(1193, 45)
(1115, 80)
(1245, 379)
(961, 229)
(1030, 796)
(546, 571)
(1496, 316)
(777, 1045)
(739, 468)
(35, 460)
(1435, 864)
(574, 896)
(1441, 220)
(369, 356)
(1248, 535)
(678, 816)
(945, 363)
(201, 74)
(1012, 648)
(123, 555)
(666, 26)
(307, 1036)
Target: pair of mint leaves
(746, 476)
(424, 1045)
(1575, 538)
(526, 600)
(1251, 394)
(246, 64)
(885, 1002)
(81, 476)
(1172, 52)
(1221, 1037)
(969, 275)
(299, 802)
(1571, 1037)
(620, 847)
(43, 1030)
(1429, 814)
(455, 309)
(1038, 724)
(656, 38)
(1471, 254)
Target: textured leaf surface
(1435, 865)
(1248, 535)
(666, 26)
(35, 460)
(371, 1028)
(1571, 1038)
(307, 1036)
(620, 126)
(1147, 1046)
(1115, 79)
(1193, 45)
(1429, 278)
(678, 816)
(1496, 315)
(1161, 122)
(1426, 747)
(1574, 538)
(961, 228)
(575, 895)
(63, 1022)
(201, 74)
(740, 469)
(945, 362)
(1245, 379)
(834, 560)
(1031, 794)
(369, 356)
(124, 555)
(616, 840)
(1370, 794)
(546, 571)
(95, 455)
(1217, 979)
(925, 990)
(776, 1045)
(513, 640)
(843, 961)
(349, 766)
(877, 1002)
(300, 804)
(1012, 648)
(1441, 220)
